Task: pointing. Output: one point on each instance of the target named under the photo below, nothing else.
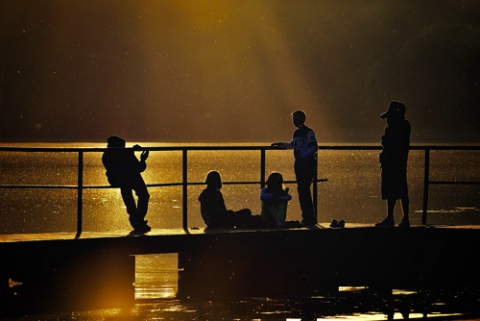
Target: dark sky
(233, 71)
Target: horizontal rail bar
(148, 185)
(454, 183)
(223, 148)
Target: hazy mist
(233, 71)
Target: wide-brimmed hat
(116, 141)
(395, 108)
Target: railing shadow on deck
(80, 187)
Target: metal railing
(426, 175)
(262, 174)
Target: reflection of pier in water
(98, 269)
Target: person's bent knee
(144, 195)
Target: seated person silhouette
(274, 199)
(213, 209)
(124, 171)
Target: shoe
(404, 223)
(341, 223)
(387, 222)
(334, 223)
(143, 227)
(281, 224)
(309, 223)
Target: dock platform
(98, 268)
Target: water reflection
(353, 305)
(156, 286)
(156, 276)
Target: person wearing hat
(124, 171)
(393, 162)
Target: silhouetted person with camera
(124, 171)
(213, 209)
(305, 148)
(393, 162)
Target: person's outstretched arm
(283, 145)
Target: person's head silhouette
(396, 109)
(214, 179)
(299, 118)
(115, 141)
(275, 181)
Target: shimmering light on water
(156, 276)
(380, 316)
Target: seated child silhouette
(274, 199)
(213, 209)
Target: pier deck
(98, 269)
(54, 236)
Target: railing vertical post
(426, 182)
(184, 188)
(315, 189)
(80, 194)
(262, 168)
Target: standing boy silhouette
(305, 148)
(124, 171)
